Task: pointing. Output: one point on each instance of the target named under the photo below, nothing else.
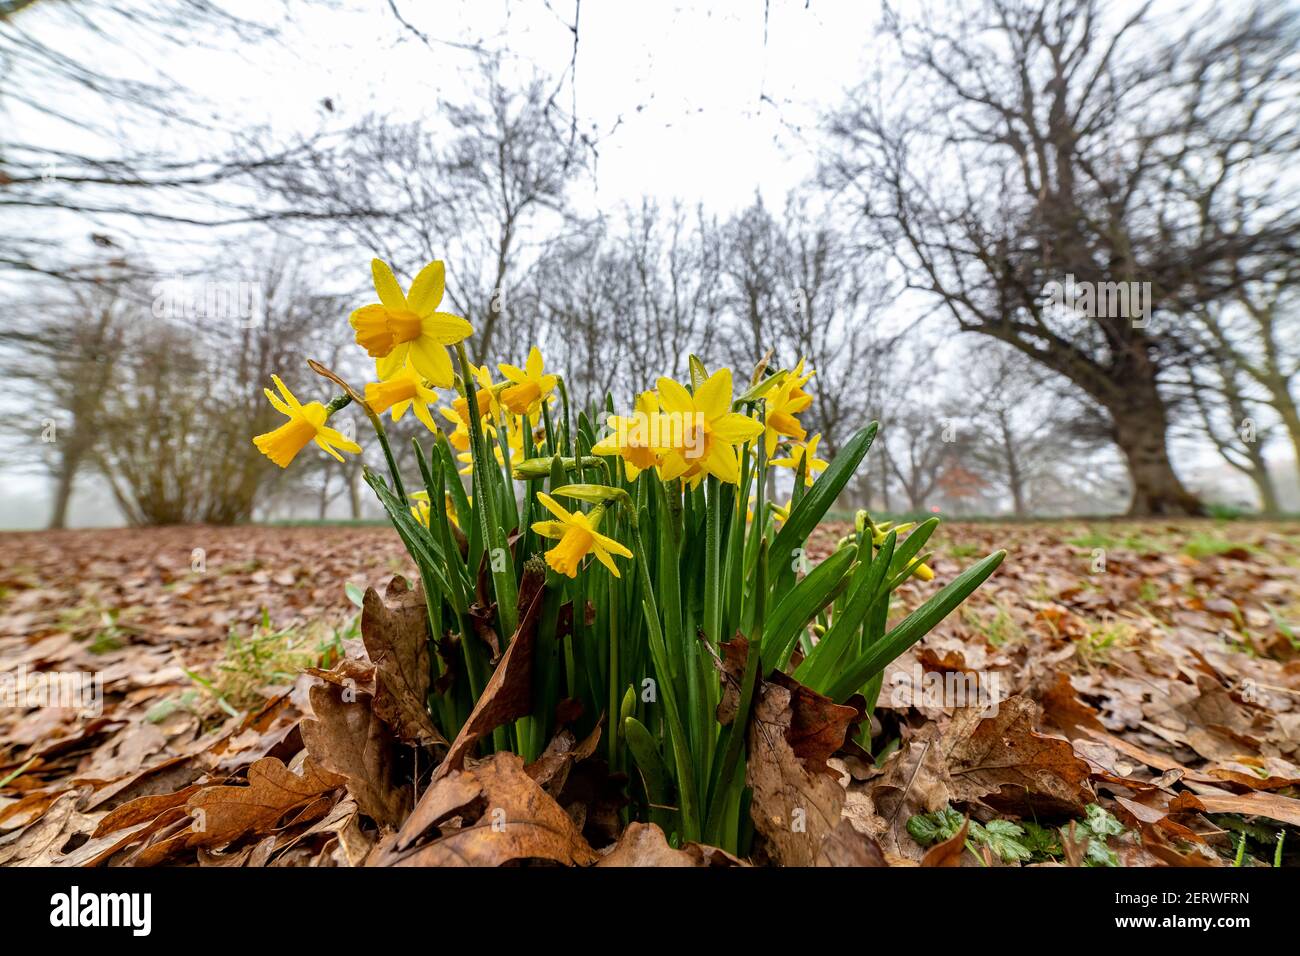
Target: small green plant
(1202, 545)
(999, 630)
(963, 549)
(1022, 842)
(1003, 838)
(267, 656)
(1097, 644)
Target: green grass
(1104, 638)
(999, 630)
(1201, 545)
(267, 656)
(1097, 538)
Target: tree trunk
(354, 495)
(62, 495)
(1140, 432)
(1286, 408)
(1265, 489)
(1015, 481)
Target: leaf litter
(1147, 713)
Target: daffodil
(405, 390)
(786, 400)
(420, 509)
(922, 571)
(530, 385)
(802, 453)
(705, 430)
(485, 397)
(458, 437)
(577, 536)
(514, 437)
(636, 438)
(306, 424)
(402, 326)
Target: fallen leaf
(347, 738)
(395, 630)
(795, 805)
(950, 851)
(1002, 757)
(489, 813)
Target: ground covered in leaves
(1146, 680)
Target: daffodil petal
(432, 361)
(734, 428)
(721, 461)
(390, 293)
(606, 560)
(445, 328)
(609, 544)
(674, 397)
(426, 290)
(422, 413)
(554, 507)
(550, 529)
(534, 365)
(392, 363)
(713, 397)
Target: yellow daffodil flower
(801, 453)
(635, 437)
(458, 437)
(922, 571)
(578, 537)
(531, 386)
(405, 390)
(784, 402)
(706, 431)
(420, 509)
(306, 423)
(402, 326)
(780, 513)
(486, 397)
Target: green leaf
(814, 504)
(800, 605)
(819, 666)
(928, 828)
(913, 627)
(1002, 837)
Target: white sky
(673, 91)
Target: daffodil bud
(596, 494)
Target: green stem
(398, 488)
(688, 797)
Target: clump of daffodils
(659, 543)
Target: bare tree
(1047, 140)
(64, 357)
(1026, 427)
(1258, 335)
